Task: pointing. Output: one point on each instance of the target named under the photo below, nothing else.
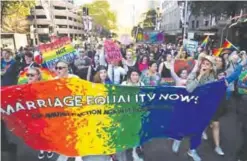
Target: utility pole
(185, 19)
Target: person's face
(153, 68)
(102, 75)
(129, 56)
(219, 63)
(28, 59)
(96, 60)
(6, 55)
(168, 58)
(183, 55)
(225, 57)
(145, 60)
(82, 53)
(199, 50)
(32, 76)
(206, 65)
(221, 75)
(151, 56)
(61, 70)
(134, 77)
(184, 74)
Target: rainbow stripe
(242, 83)
(205, 42)
(217, 51)
(45, 73)
(228, 45)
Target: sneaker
(41, 155)
(135, 155)
(219, 151)
(175, 146)
(78, 159)
(204, 136)
(193, 154)
(49, 154)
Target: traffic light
(85, 11)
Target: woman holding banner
(34, 76)
(133, 79)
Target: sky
(128, 11)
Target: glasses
(30, 75)
(59, 68)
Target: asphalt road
(160, 149)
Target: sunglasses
(59, 68)
(30, 75)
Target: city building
(59, 17)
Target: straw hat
(211, 59)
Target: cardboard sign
(150, 37)
(112, 51)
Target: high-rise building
(60, 15)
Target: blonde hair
(37, 71)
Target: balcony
(43, 22)
(42, 30)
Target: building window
(42, 26)
(59, 8)
(75, 20)
(62, 26)
(41, 16)
(197, 24)
(60, 17)
(38, 7)
(206, 23)
(75, 27)
(193, 24)
(70, 18)
(70, 27)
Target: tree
(102, 15)
(14, 15)
(216, 8)
(150, 20)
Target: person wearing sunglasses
(62, 70)
(34, 76)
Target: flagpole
(232, 45)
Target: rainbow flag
(217, 51)
(228, 45)
(45, 73)
(74, 117)
(205, 42)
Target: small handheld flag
(228, 45)
(205, 42)
(217, 51)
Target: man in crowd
(82, 65)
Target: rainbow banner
(60, 49)
(205, 42)
(242, 83)
(153, 37)
(79, 118)
(45, 74)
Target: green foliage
(102, 15)
(14, 15)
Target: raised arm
(174, 75)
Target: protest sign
(112, 51)
(60, 49)
(190, 46)
(45, 74)
(153, 37)
(242, 83)
(79, 118)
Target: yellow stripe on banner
(91, 134)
